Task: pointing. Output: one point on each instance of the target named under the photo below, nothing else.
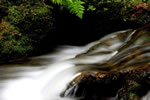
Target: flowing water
(47, 76)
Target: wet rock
(94, 85)
(124, 84)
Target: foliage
(33, 20)
(12, 42)
(18, 2)
(3, 8)
(128, 10)
(137, 11)
(78, 7)
(24, 25)
(74, 6)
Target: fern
(58, 2)
(74, 6)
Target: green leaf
(58, 1)
(74, 6)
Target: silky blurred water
(38, 78)
(45, 77)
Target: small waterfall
(46, 77)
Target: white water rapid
(45, 77)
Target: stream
(46, 77)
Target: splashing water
(45, 77)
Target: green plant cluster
(34, 20)
(12, 42)
(126, 10)
(24, 24)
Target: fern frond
(60, 2)
(76, 7)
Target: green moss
(24, 25)
(12, 43)
(34, 20)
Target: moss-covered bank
(24, 25)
